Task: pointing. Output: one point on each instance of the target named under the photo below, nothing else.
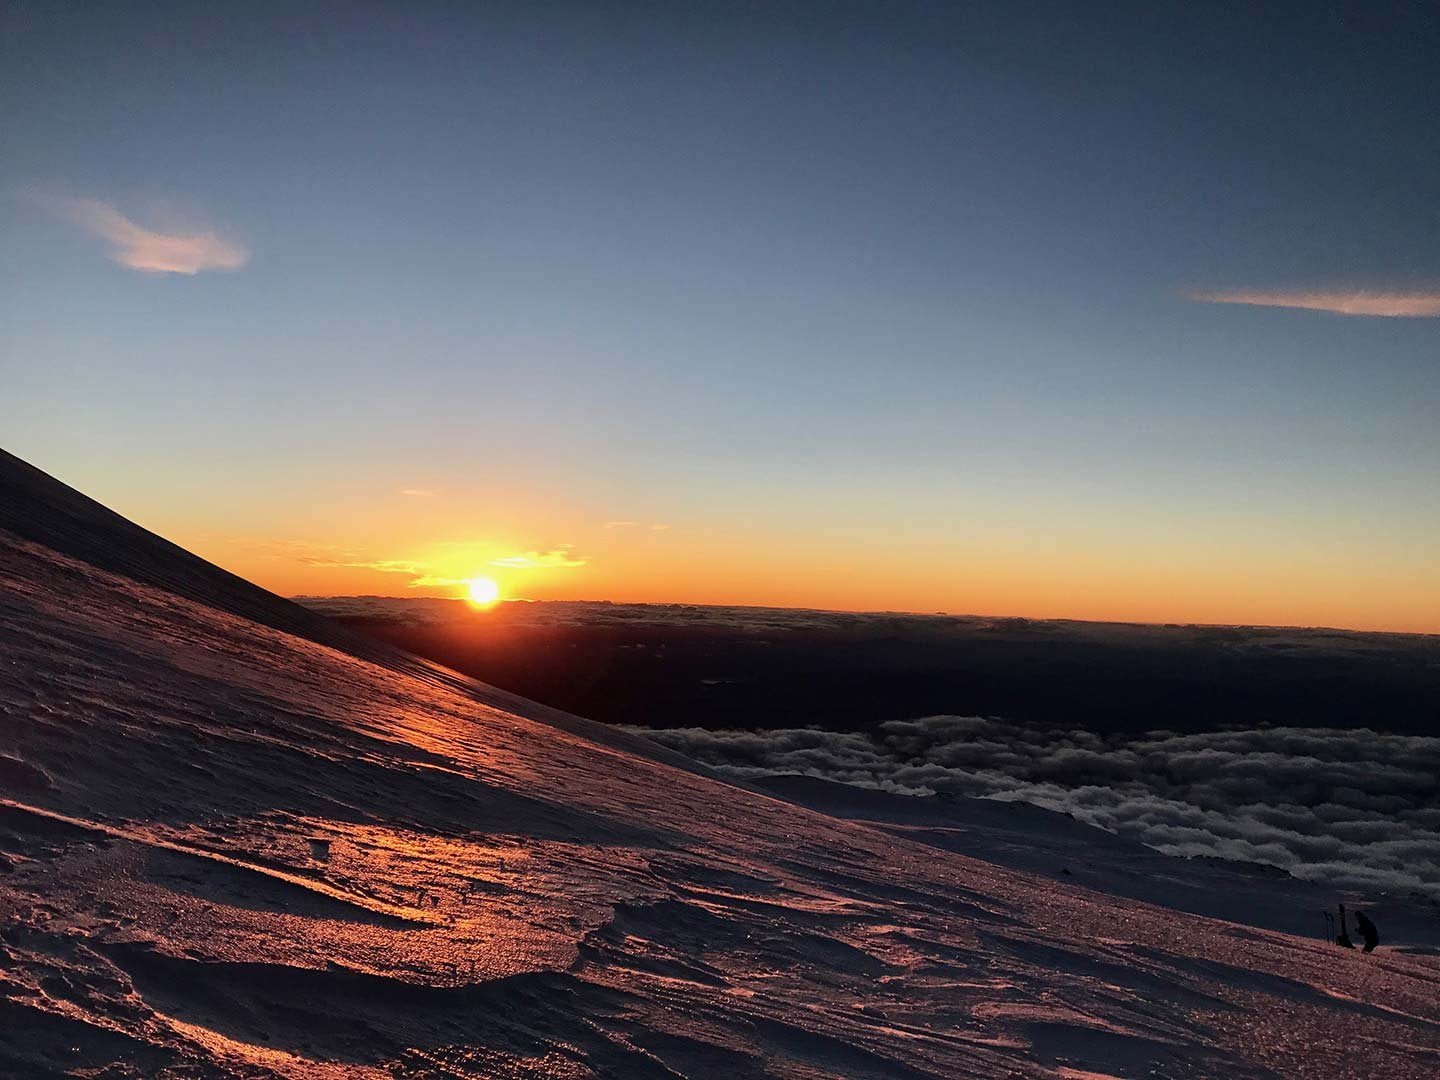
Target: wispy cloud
(421, 575)
(621, 524)
(557, 558)
(436, 581)
(1413, 305)
(419, 493)
(428, 575)
(149, 250)
(383, 566)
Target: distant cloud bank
(1358, 809)
(149, 250)
(1413, 305)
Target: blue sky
(874, 282)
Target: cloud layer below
(1414, 305)
(149, 250)
(1356, 809)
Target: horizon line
(1166, 625)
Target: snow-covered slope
(1056, 846)
(512, 892)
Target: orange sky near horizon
(326, 531)
(988, 572)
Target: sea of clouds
(1356, 809)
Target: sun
(484, 591)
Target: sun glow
(484, 591)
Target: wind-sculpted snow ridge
(231, 850)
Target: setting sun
(484, 591)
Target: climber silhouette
(1344, 936)
(1367, 931)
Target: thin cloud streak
(434, 581)
(419, 493)
(383, 566)
(558, 558)
(1392, 305)
(425, 575)
(149, 250)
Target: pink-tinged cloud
(150, 250)
(419, 493)
(1392, 305)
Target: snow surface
(512, 892)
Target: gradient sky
(1098, 311)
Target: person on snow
(1367, 931)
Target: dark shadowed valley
(661, 665)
